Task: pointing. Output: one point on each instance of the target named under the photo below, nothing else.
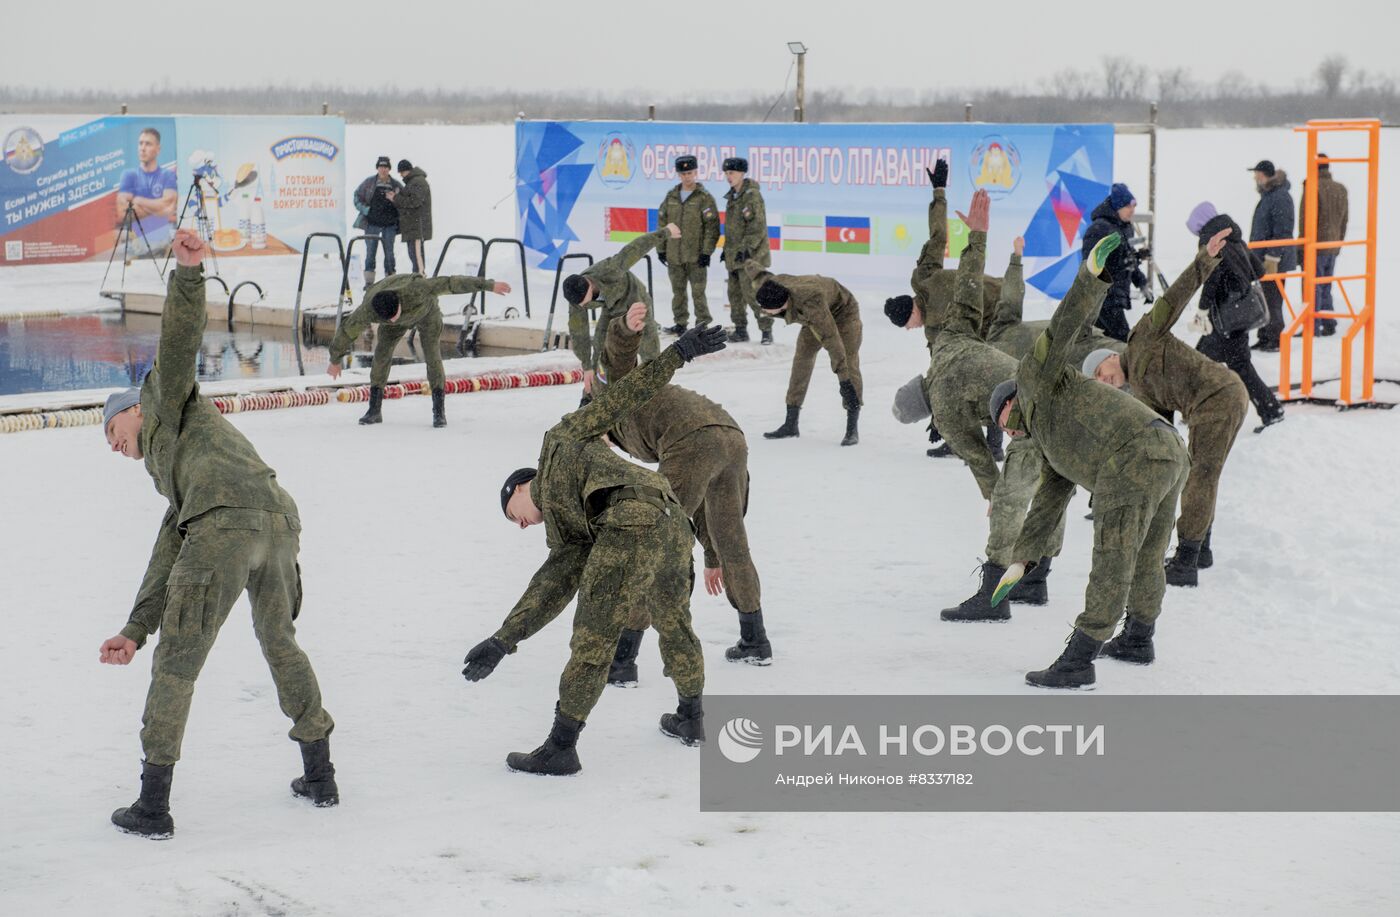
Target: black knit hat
(575, 288)
(736, 164)
(405, 165)
(517, 477)
(385, 304)
(772, 295)
(898, 309)
(382, 161)
(686, 164)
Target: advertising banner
(75, 188)
(846, 200)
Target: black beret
(385, 304)
(575, 288)
(772, 295)
(898, 309)
(517, 477)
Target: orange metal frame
(1365, 320)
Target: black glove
(848, 395)
(1144, 253)
(938, 175)
(584, 401)
(661, 256)
(740, 257)
(703, 261)
(699, 341)
(482, 659)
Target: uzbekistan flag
(848, 235)
(623, 224)
(802, 233)
(775, 233)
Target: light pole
(798, 48)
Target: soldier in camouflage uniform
(1118, 449)
(687, 259)
(1167, 376)
(1014, 337)
(229, 527)
(830, 320)
(398, 304)
(745, 240)
(612, 288)
(619, 539)
(701, 451)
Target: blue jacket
(1273, 219)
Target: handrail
(524, 271)
(651, 293)
(345, 292)
(301, 283)
(554, 299)
(246, 283)
(216, 277)
(448, 244)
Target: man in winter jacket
(415, 205)
(1273, 219)
(1331, 227)
(745, 239)
(1115, 215)
(687, 259)
(378, 217)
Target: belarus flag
(623, 224)
(848, 235)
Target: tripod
(201, 219)
(128, 220)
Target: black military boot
(852, 423)
(687, 723)
(753, 646)
(789, 427)
(942, 450)
(740, 334)
(623, 672)
(557, 757)
(1074, 668)
(767, 336)
(1181, 568)
(376, 401)
(149, 816)
(677, 329)
(1133, 644)
(439, 408)
(1205, 560)
(979, 607)
(1033, 589)
(317, 781)
(994, 442)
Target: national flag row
(797, 232)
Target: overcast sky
(668, 48)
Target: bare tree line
(1118, 90)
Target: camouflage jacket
(932, 283)
(1013, 337)
(1162, 371)
(817, 303)
(197, 459)
(746, 226)
(618, 288)
(418, 298)
(577, 472)
(963, 370)
(698, 218)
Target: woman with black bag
(1231, 304)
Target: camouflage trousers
(641, 558)
(741, 300)
(695, 277)
(1011, 498)
(226, 551)
(1134, 507)
(1211, 438)
(651, 335)
(709, 472)
(387, 337)
(808, 346)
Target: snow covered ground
(408, 563)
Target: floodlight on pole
(799, 49)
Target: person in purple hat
(1115, 214)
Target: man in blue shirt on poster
(150, 191)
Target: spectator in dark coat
(378, 217)
(415, 203)
(1273, 219)
(1332, 212)
(1115, 214)
(1239, 267)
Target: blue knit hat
(1120, 197)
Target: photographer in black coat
(1115, 214)
(1239, 268)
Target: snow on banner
(849, 189)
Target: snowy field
(408, 563)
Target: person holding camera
(378, 217)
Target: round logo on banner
(741, 740)
(24, 150)
(995, 166)
(617, 160)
